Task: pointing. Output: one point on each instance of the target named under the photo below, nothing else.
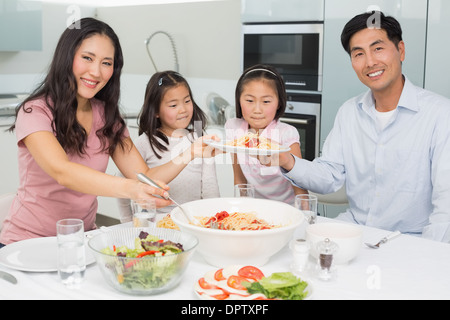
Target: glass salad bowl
(142, 261)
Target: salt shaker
(326, 250)
(300, 251)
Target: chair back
(337, 198)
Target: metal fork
(384, 240)
(214, 225)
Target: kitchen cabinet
(9, 170)
(281, 10)
(438, 49)
(20, 25)
(340, 82)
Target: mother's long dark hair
(59, 89)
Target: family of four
(390, 145)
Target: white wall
(207, 36)
(437, 77)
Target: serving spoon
(143, 178)
(384, 240)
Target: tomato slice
(223, 296)
(235, 282)
(251, 272)
(221, 215)
(218, 275)
(205, 285)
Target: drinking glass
(244, 190)
(71, 251)
(144, 212)
(308, 204)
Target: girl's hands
(199, 149)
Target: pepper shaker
(326, 250)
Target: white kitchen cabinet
(438, 48)
(281, 10)
(9, 171)
(340, 82)
(20, 25)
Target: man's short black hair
(374, 19)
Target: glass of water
(144, 212)
(308, 204)
(244, 190)
(71, 251)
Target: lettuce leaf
(280, 285)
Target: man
(391, 145)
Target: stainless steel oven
(295, 50)
(303, 112)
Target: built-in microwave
(295, 50)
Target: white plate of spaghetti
(235, 221)
(249, 143)
(260, 228)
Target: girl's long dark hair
(59, 89)
(148, 121)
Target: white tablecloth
(407, 267)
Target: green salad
(142, 272)
(280, 285)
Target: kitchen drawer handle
(296, 121)
(301, 84)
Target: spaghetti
(235, 221)
(252, 140)
(167, 223)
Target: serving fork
(143, 178)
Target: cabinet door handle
(300, 83)
(296, 121)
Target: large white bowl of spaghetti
(239, 241)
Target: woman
(66, 131)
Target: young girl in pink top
(67, 130)
(260, 102)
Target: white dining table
(405, 268)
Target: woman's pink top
(40, 201)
